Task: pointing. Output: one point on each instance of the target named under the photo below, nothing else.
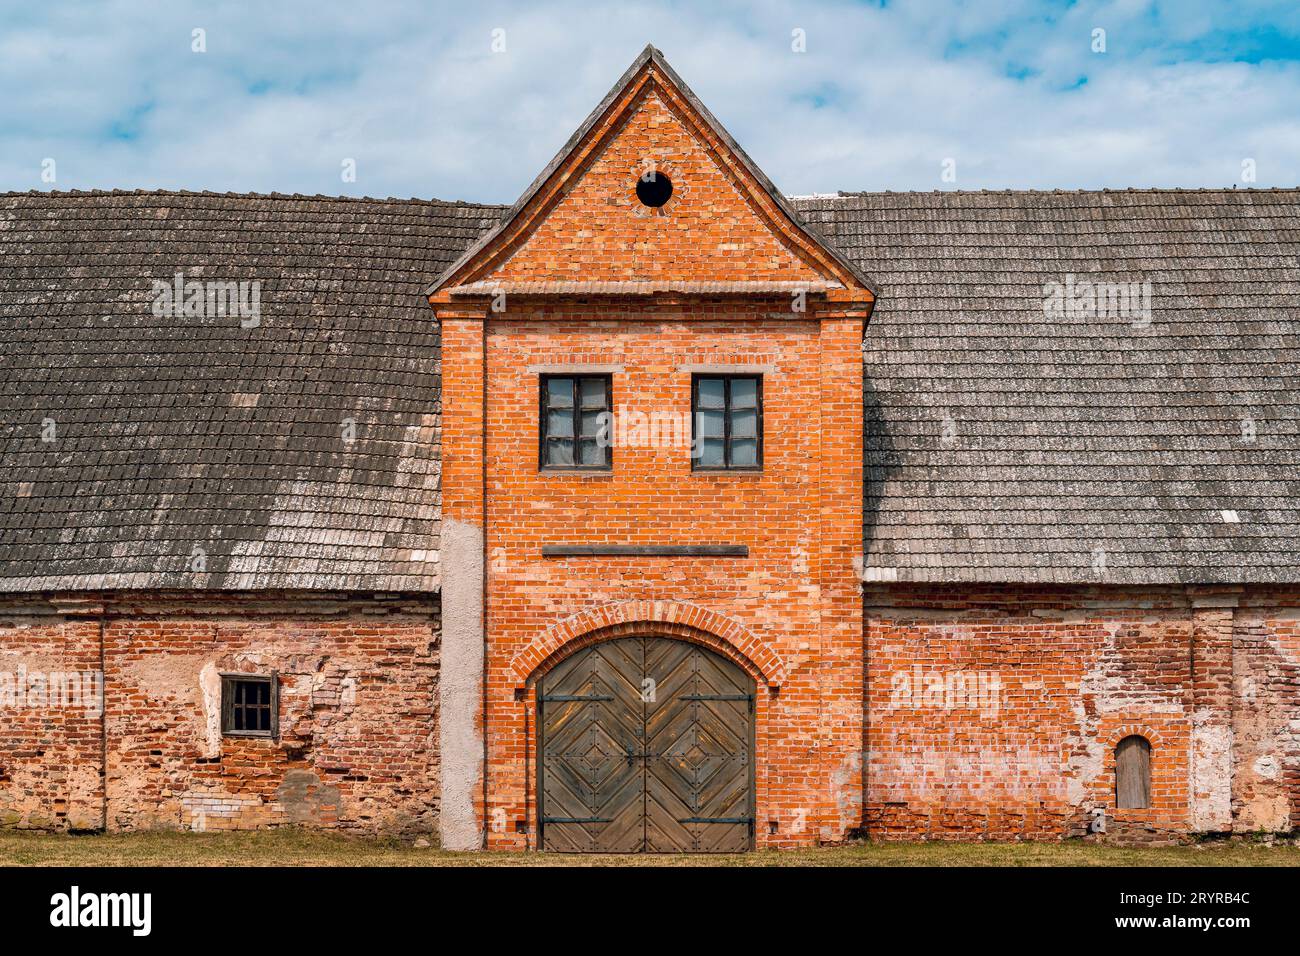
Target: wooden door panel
(646, 746)
(1133, 773)
(592, 783)
(698, 760)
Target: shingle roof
(1004, 444)
(176, 434)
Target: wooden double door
(646, 746)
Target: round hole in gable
(654, 189)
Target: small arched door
(646, 746)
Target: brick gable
(710, 230)
(725, 226)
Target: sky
(470, 100)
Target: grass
(289, 847)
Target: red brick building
(658, 512)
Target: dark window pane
(559, 424)
(559, 392)
(744, 423)
(593, 393)
(592, 423)
(711, 453)
(576, 422)
(744, 393)
(559, 451)
(709, 424)
(727, 428)
(247, 706)
(711, 392)
(744, 452)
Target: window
(575, 421)
(654, 189)
(727, 422)
(1133, 773)
(250, 705)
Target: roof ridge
(838, 194)
(848, 194)
(250, 195)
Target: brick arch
(624, 619)
(1153, 737)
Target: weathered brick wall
(993, 712)
(50, 745)
(358, 725)
(798, 516)
(1265, 721)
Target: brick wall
(1265, 722)
(993, 713)
(798, 516)
(358, 726)
(712, 229)
(789, 612)
(50, 756)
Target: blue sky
(884, 93)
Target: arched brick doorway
(646, 745)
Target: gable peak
(791, 254)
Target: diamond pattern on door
(646, 746)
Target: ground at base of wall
(290, 847)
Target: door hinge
(749, 820)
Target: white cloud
(412, 92)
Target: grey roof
(176, 434)
(1004, 444)
(1069, 437)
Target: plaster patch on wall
(305, 799)
(210, 691)
(1269, 812)
(847, 788)
(13, 660)
(1265, 739)
(1211, 772)
(1268, 767)
(461, 684)
(1088, 764)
